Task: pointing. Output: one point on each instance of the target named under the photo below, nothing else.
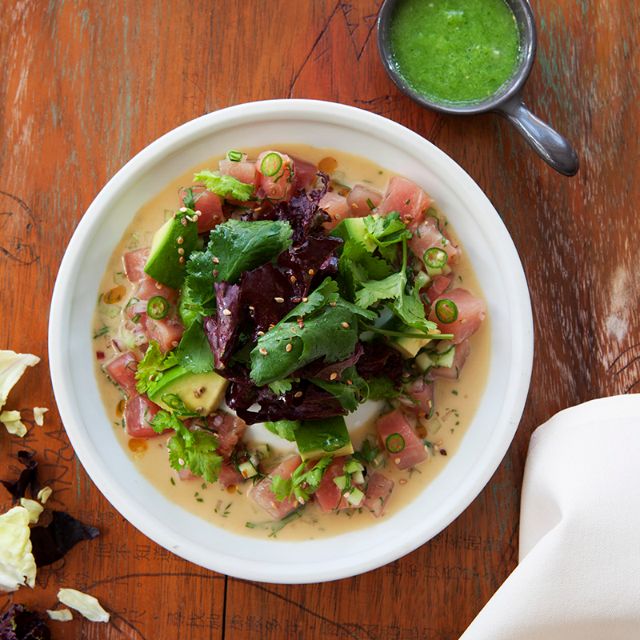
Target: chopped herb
(303, 481)
(101, 332)
(224, 186)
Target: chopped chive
(100, 332)
(234, 156)
(370, 204)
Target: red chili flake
(100, 355)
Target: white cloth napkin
(579, 571)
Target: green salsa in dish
(455, 51)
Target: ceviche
(276, 340)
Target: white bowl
(483, 237)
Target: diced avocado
(170, 248)
(427, 360)
(409, 347)
(200, 392)
(317, 438)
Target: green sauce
(455, 51)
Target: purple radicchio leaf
(303, 213)
(19, 623)
(311, 403)
(223, 328)
(28, 478)
(323, 371)
(267, 294)
(52, 542)
(380, 359)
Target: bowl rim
(153, 527)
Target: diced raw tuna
(305, 174)
(453, 372)
(245, 171)
(263, 496)
(362, 200)
(420, 394)
(439, 285)
(138, 413)
(148, 288)
(336, 206)
(427, 235)
(471, 313)
(280, 185)
(377, 494)
(122, 370)
(166, 332)
(229, 429)
(208, 204)
(412, 449)
(134, 262)
(328, 495)
(229, 475)
(407, 198)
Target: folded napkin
(579, 571)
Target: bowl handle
(552, 147)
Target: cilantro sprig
(304, 481)
(224, 186)
(194, 450)
(152, 366)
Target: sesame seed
(396, 460)
(263, 351)
(260, 333)
(215, 273)
(251, 308)
(402, 481)
(181, 259)
(198, 213)
(226, 312)
(297, 394)
(179, 239)
(345, 325)
(305, 299)
(183, 209)
(180, 251)
(216, 260)
(332, 304)
(333, 376)
(158, 286)
(288, 347)
(271, 326)
(174, 343)
(292, 279)
(279, 300)
(312, 272)
(349, 382)
(183, 221)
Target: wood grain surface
(84, 85)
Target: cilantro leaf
(386, 230)
(304, 481)
(283, 428)
(151, 368)
(237, 246)
(193, 450)
(280, 387)
(373, 291)
(224, 186)
(194, 352)
(331, 333)
(382, 389)
(349, 395)
(195, 303)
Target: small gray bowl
(554, 148)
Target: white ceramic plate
(483, 237)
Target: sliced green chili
(234, 156)
(157, 307)
(446, 310)
(394, 443)
(435, 258)
(271, 164)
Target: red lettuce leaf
(28, 478)
(222, 329)
(19, 623)
(52, 542)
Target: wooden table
(84, 85)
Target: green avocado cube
(317, 438)
(200, 392)
(171, 245)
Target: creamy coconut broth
(231, 508)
